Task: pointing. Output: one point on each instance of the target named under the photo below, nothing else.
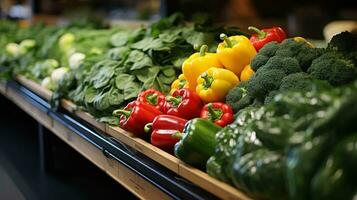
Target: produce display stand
(143, 169)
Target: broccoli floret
(258, 61)
(298, 81)
(334, 68)
(237, 97)
(269, 49)
(289, 48)
(264, 81)
(306, 56)
(286, 64)
(344, 42)
(270, 97)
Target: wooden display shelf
(200, 178)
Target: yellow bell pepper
(179, 83)
(214, 84)
(301, 39)
(198, 63)
(246, 73)
(235, 52)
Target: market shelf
(142, 168)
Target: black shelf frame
(167, 181)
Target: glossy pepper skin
(183, 103)
(198, 63)
(219, 113)
(164, 128)
(214, 84)
(264, 36)
(152, 97)
(135, 116)
(235, 52)
(197, 143)
(246, 73)
(179, 83)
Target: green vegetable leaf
(103, 77)
(131, 90)
(120, 39)
(122, 80)
(138, 60)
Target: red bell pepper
(135, 116)
(166, 122)
(165, 127)
(183, 103)
(264, 36)
(219, 113)
(152, 97)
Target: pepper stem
(208, 80)
(177, 135)
(118, 113)
(261, 34)
(147, 127)
(152, 99)
(175, 100)
(182, 84)
(203, 50)
(215, 114)
(226, 39)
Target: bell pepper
(164, 128)
(246, 73)
(197, 63)
(235, 52)
(197, 142)
(214, 84)
(183, 103)
(301, 39)
(219, 113)
(264, 36)
(152, 97)
(179, 83)
(135, 116)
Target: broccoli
(259, 61)
(345, 43)
(298, 81)
(237, 97)
(286, 64)
(294, 65)
(334, 68)
(306, 56)
(264, 81)
(290, 48)
(269, 49)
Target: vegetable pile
(293, 65)
(270, 115)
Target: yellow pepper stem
(203, 50)
(181, 84)
(261, 34)
(228, 41)
(208, 80)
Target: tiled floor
(21, 176)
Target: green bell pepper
(197, 142)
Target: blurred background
(307, 18)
